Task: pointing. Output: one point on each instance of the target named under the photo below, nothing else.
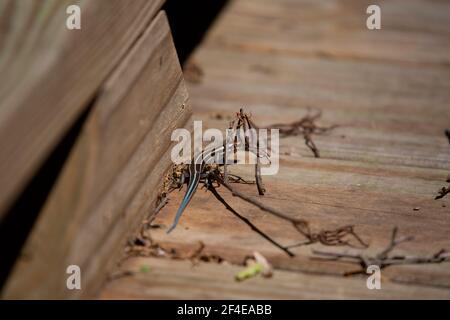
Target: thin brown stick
(307, 127)
(237, 179)
(394, 242)
(382, 259)
(326, 237)
(258, 179)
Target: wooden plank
(111, 179)
(416, 33)
(388, 91)
(402, 71)
(165, 277)
(49, 73)
(375, 129)
(329, 194)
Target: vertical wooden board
(112, 177)
(49, 73)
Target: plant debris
(337, 237)
(307, 127)
(444, 190)
(145, 268)
(256, 265)
(384, 259)
(252, 270)
(267, 267)
(213, 177)
(143, 245)
(243, 122)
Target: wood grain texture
(216, 281)
(388, 92)
(49, 73)
(111, 180)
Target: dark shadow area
(189, 21)
(22, 215)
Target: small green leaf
(249, 272)
(145, 268)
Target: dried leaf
(267, 267)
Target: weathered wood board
(388, 91)
(154, 278)
(48, 73)
(111, 179)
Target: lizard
(196, 169)
(195, 173)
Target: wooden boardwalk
(389, 92)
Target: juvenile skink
(195, 171)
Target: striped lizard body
(195, 171)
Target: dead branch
(382, 259)
(248, 124)
(442, 192)
(306, 127)
(326, 237)
(237, 179)
(243, 122)
(143, 245)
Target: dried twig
(143, 245)
(212, 175)
(258, 179)
(243, 122)
(327, 237)
(307, 127)
(383, 259)
(443, 191)
(237, 179)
